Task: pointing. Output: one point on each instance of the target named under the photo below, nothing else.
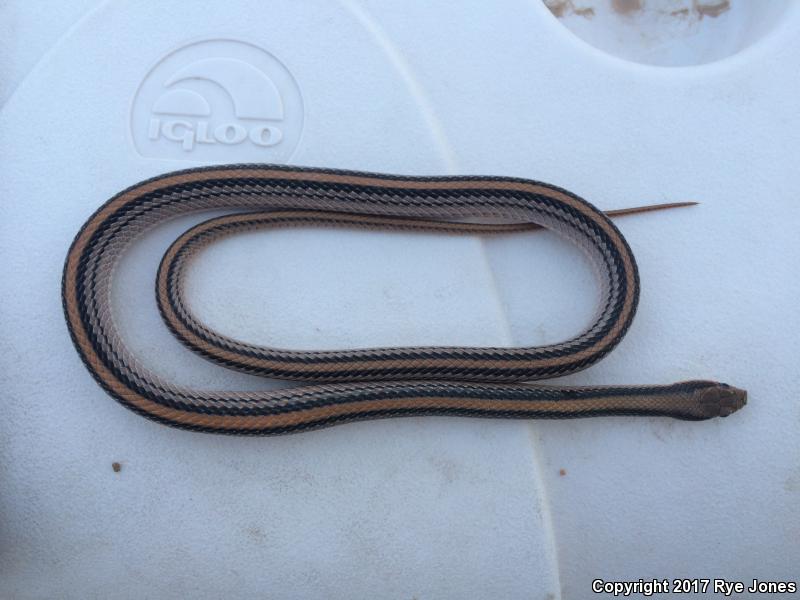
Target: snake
(341, 386)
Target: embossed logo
(218, 101)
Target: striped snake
(350, 385)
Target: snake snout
(721, 400)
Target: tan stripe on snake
(349, 385)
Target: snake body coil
(350, 385)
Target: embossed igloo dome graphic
(218, 101)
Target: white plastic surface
(414, 508)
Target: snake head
(721, 399)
